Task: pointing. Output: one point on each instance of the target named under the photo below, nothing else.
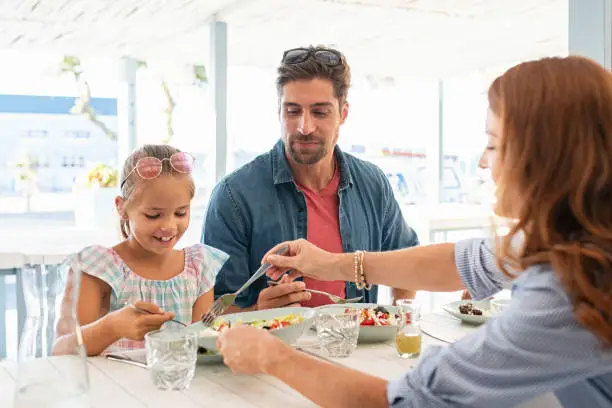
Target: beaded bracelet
(360, 279)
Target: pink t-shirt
(324, 232)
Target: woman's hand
(133, 324)
(303, 259)
(247, 350)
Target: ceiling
(437, 38)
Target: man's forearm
(329, 385)
(430, 267)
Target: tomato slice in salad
(378, 316)
(368, 322)
(270, 324)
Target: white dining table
(118, 385)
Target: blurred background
(83, 82)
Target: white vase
(95, 208)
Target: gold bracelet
(360, 279)
(358, 282)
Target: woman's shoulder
(542, 281)
(538, 275)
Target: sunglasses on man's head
(326, 56)
(151, 167)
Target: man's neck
(314, 176)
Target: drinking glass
(411, 305)
(171, 356)
(499, 305)
(338, 330)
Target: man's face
(310, 118)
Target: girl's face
(158, 216)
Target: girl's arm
(202, 305)
(97, 331)
(100, 329)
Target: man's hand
(286, 293)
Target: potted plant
(25, 178)
(95, 194)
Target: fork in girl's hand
(146, 311)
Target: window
(39, 161)
(465, 106)
(34, 134)
(77, 134)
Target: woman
(549, 130)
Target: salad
(273, 324)
(378, 316)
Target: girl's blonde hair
(131, 183)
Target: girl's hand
(133, 324)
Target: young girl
(144, 271)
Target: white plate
(453, 309)
(289, 334)
(140, 357)
(210, 359)
(370, 334)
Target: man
(305, 187)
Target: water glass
(171, 356)
(338, 330)
(499, 305)
(412, 306)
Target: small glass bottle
(408, 338)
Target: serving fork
(225, 301)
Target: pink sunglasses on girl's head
(151, 167)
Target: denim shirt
(259, 205)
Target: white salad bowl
(288, 334)
(371, 334)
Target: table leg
(21, 306)
(51, 276)
(3, 297)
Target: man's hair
(339, 75)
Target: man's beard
(313, 156)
